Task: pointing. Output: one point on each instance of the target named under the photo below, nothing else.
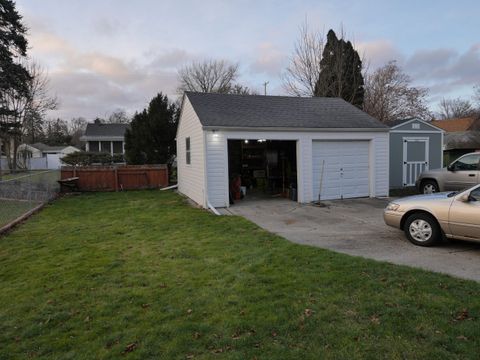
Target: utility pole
(265, 87)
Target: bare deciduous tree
(76, 129)
(389, 95)
(119, 116)
(301, 76)
(455, 108)
(242, 90)
(28, 109)
(476, 96)
(208, 76)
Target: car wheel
(422, 229)
(429, 187)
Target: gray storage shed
(415, 146)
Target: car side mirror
(451, 167)
(467, 198)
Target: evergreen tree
(151, 137)
(14, 77)
(340, 71)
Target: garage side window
(187, 150)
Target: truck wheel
(429, 187)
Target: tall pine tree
(340, 71)
(14, 77)
(151, 137)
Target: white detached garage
(306, 146)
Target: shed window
(187, 150)
(416, 126)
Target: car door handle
(472, 175)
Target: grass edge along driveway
(143, 275)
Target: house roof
(106, 130)
(462, 140)
(257, 111)
(456, 125)
(46, 148)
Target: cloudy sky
(102, 55)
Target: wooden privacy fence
(115, 178)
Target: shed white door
(415, 159)
(345, 169)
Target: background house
(279, 145)
(108, 138)
(462, 136)
(41, 156)
(415, 146)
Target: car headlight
(392, 207)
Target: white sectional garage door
(345, 170)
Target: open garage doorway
(262, 169)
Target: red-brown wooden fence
(114, 178)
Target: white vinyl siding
(217, 159)
(191, 176)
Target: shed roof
(398, 124)
(101, 129)
(257, 111)
(44, 147)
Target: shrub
(80, 158)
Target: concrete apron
(356, 227)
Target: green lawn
(142, 275)
(12, 209)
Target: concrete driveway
(356, 227)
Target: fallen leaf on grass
(274, 334)
(129, 348)
(189, 311)
(308, 312)
(145, 306)
(374, 319)
(461, 337)
(197, 335)
(462, 315)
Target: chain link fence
(22, 192)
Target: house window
(187, 150)
(93, 146)
(106, 146)
(118, 147)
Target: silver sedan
(427, 218)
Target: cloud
(108, 26)
(270, 60)
(92, 84)
(377, 53)
(445, 70)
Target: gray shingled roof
(256, 111)
(399, 122)
(45, 147)
(95, 129)
(462, 140)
